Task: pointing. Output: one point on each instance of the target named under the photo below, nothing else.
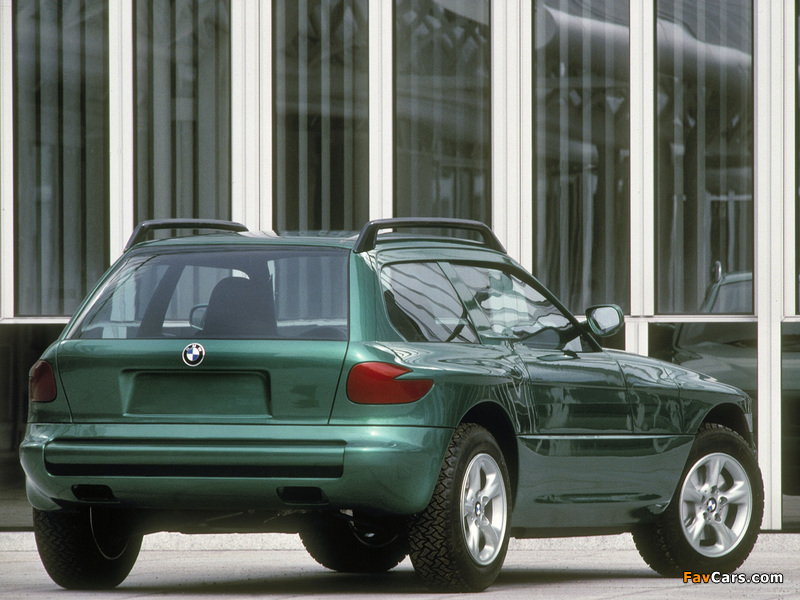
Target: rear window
(274, 293)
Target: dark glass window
(182, 108)
(61, 152)
(516, 310)
(321, 114)
(705, 136)
(423, 306)
(581, 212)
(790, 424)
(442, 118)
(233, 294)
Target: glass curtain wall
(61, 145)
(705, 136)
(321, 114)
(581, 110)
(182, 109)
(442, 118)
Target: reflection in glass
(442, 109)
(704, 204)
(423, 306)
(183, 142)
(726, 351)
(60, 152)
(790, 423)
(321, 121)
(581, 151)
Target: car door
(580, 462)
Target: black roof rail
(369, 233)
(145, 227)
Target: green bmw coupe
(385, 394)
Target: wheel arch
(496, 421)
(731, 416)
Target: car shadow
(398, 582)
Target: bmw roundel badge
(194, 354)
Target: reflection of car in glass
(381, 396)
(728, 352)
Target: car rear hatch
(211, 334)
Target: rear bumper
(233, 467)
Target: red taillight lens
(41, 383)
(377, 383)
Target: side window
(423, 306)
(517, 310)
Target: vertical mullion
(526, 49)
(7, 249)
(769, 196)
(121, 140)
(266, 201)
(790, 75)
(642, 172)
(249, 143)
(506, 163)
(381, 106)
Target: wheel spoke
(725, 536)
(738, 494)
(692, 495)
(714, 470)
(473, 539)
(493, 488)
(695, 530)
(490, 533)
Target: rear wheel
(713, 520)
(343, 544)
(85, 550)
(460, 541)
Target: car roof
(368, 240)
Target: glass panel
(423, 306)
(60, 152)
(321, 114)
(581, 219)
(442, 119)
(183, 140)
(223, 294)
(790, 424)
(704, 192)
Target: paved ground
(276, 566)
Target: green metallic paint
(250, 381)
(392, 469)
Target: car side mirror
(197, 316)
(604, 320)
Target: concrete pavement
(276, 566)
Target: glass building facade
(641, 153)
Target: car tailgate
(241, 381)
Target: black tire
(84, 550)
(709, 526)
(338, 544)
(441, 553)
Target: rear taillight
(377, 383)
(41, 383)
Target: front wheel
(459, 541)
(713, 520)
(85, 550)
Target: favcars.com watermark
(717, 577)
